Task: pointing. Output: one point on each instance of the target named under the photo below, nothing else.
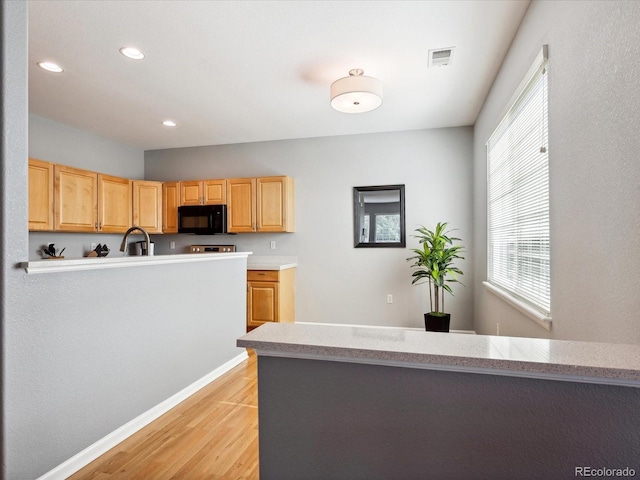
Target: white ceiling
(246, 71)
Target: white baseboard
(106, 443)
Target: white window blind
(518, 195)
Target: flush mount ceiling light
(132, 52)
(356, 93)
(50, 67)
(169, 123)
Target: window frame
(541, 314)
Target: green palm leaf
(434, 261)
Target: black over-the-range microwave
(202, 219)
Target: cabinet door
(75, 199)
(40, 195)
(170, 203)
(147, 205)
(275, 204)
(191, 193)
(114, 204)
(241, 202)
(262, 303)
(215, 192)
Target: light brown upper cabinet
(203, 192)
(76, 199)
(114, 204)
(241, 206)
(263, 204)
(40, 195)
(86, 201)
(170, 203)
(147, 205)
(275, 204)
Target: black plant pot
(437, 323)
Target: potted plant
(434, 263)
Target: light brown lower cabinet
(270, 296)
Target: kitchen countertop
(96, 263)
(614, 364)
(271, 262)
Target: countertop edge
(259, 266)
(379, 355)
(272, 262)
(483, 370)
(93, 263)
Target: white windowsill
(542, 320)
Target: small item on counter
(101, 250)
(50, 251)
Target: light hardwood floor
(211, 435)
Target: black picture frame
(382, 202)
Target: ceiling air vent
(440, 57)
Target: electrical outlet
(93, 245)
(273, 244)
(172, 245)
(497, 329)
(389, 298)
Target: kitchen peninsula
(358, 402)
(127, 337)
(93, 263)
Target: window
(518, 198)
(387, 228)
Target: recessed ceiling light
(169, 123)
(132, 52)
(50, 67)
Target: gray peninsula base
(341, 420)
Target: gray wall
(51, 141)
(337, 283)
(13, 193)
(57, 143)
(594, 72)
(85, 352)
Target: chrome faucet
(123, 245)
